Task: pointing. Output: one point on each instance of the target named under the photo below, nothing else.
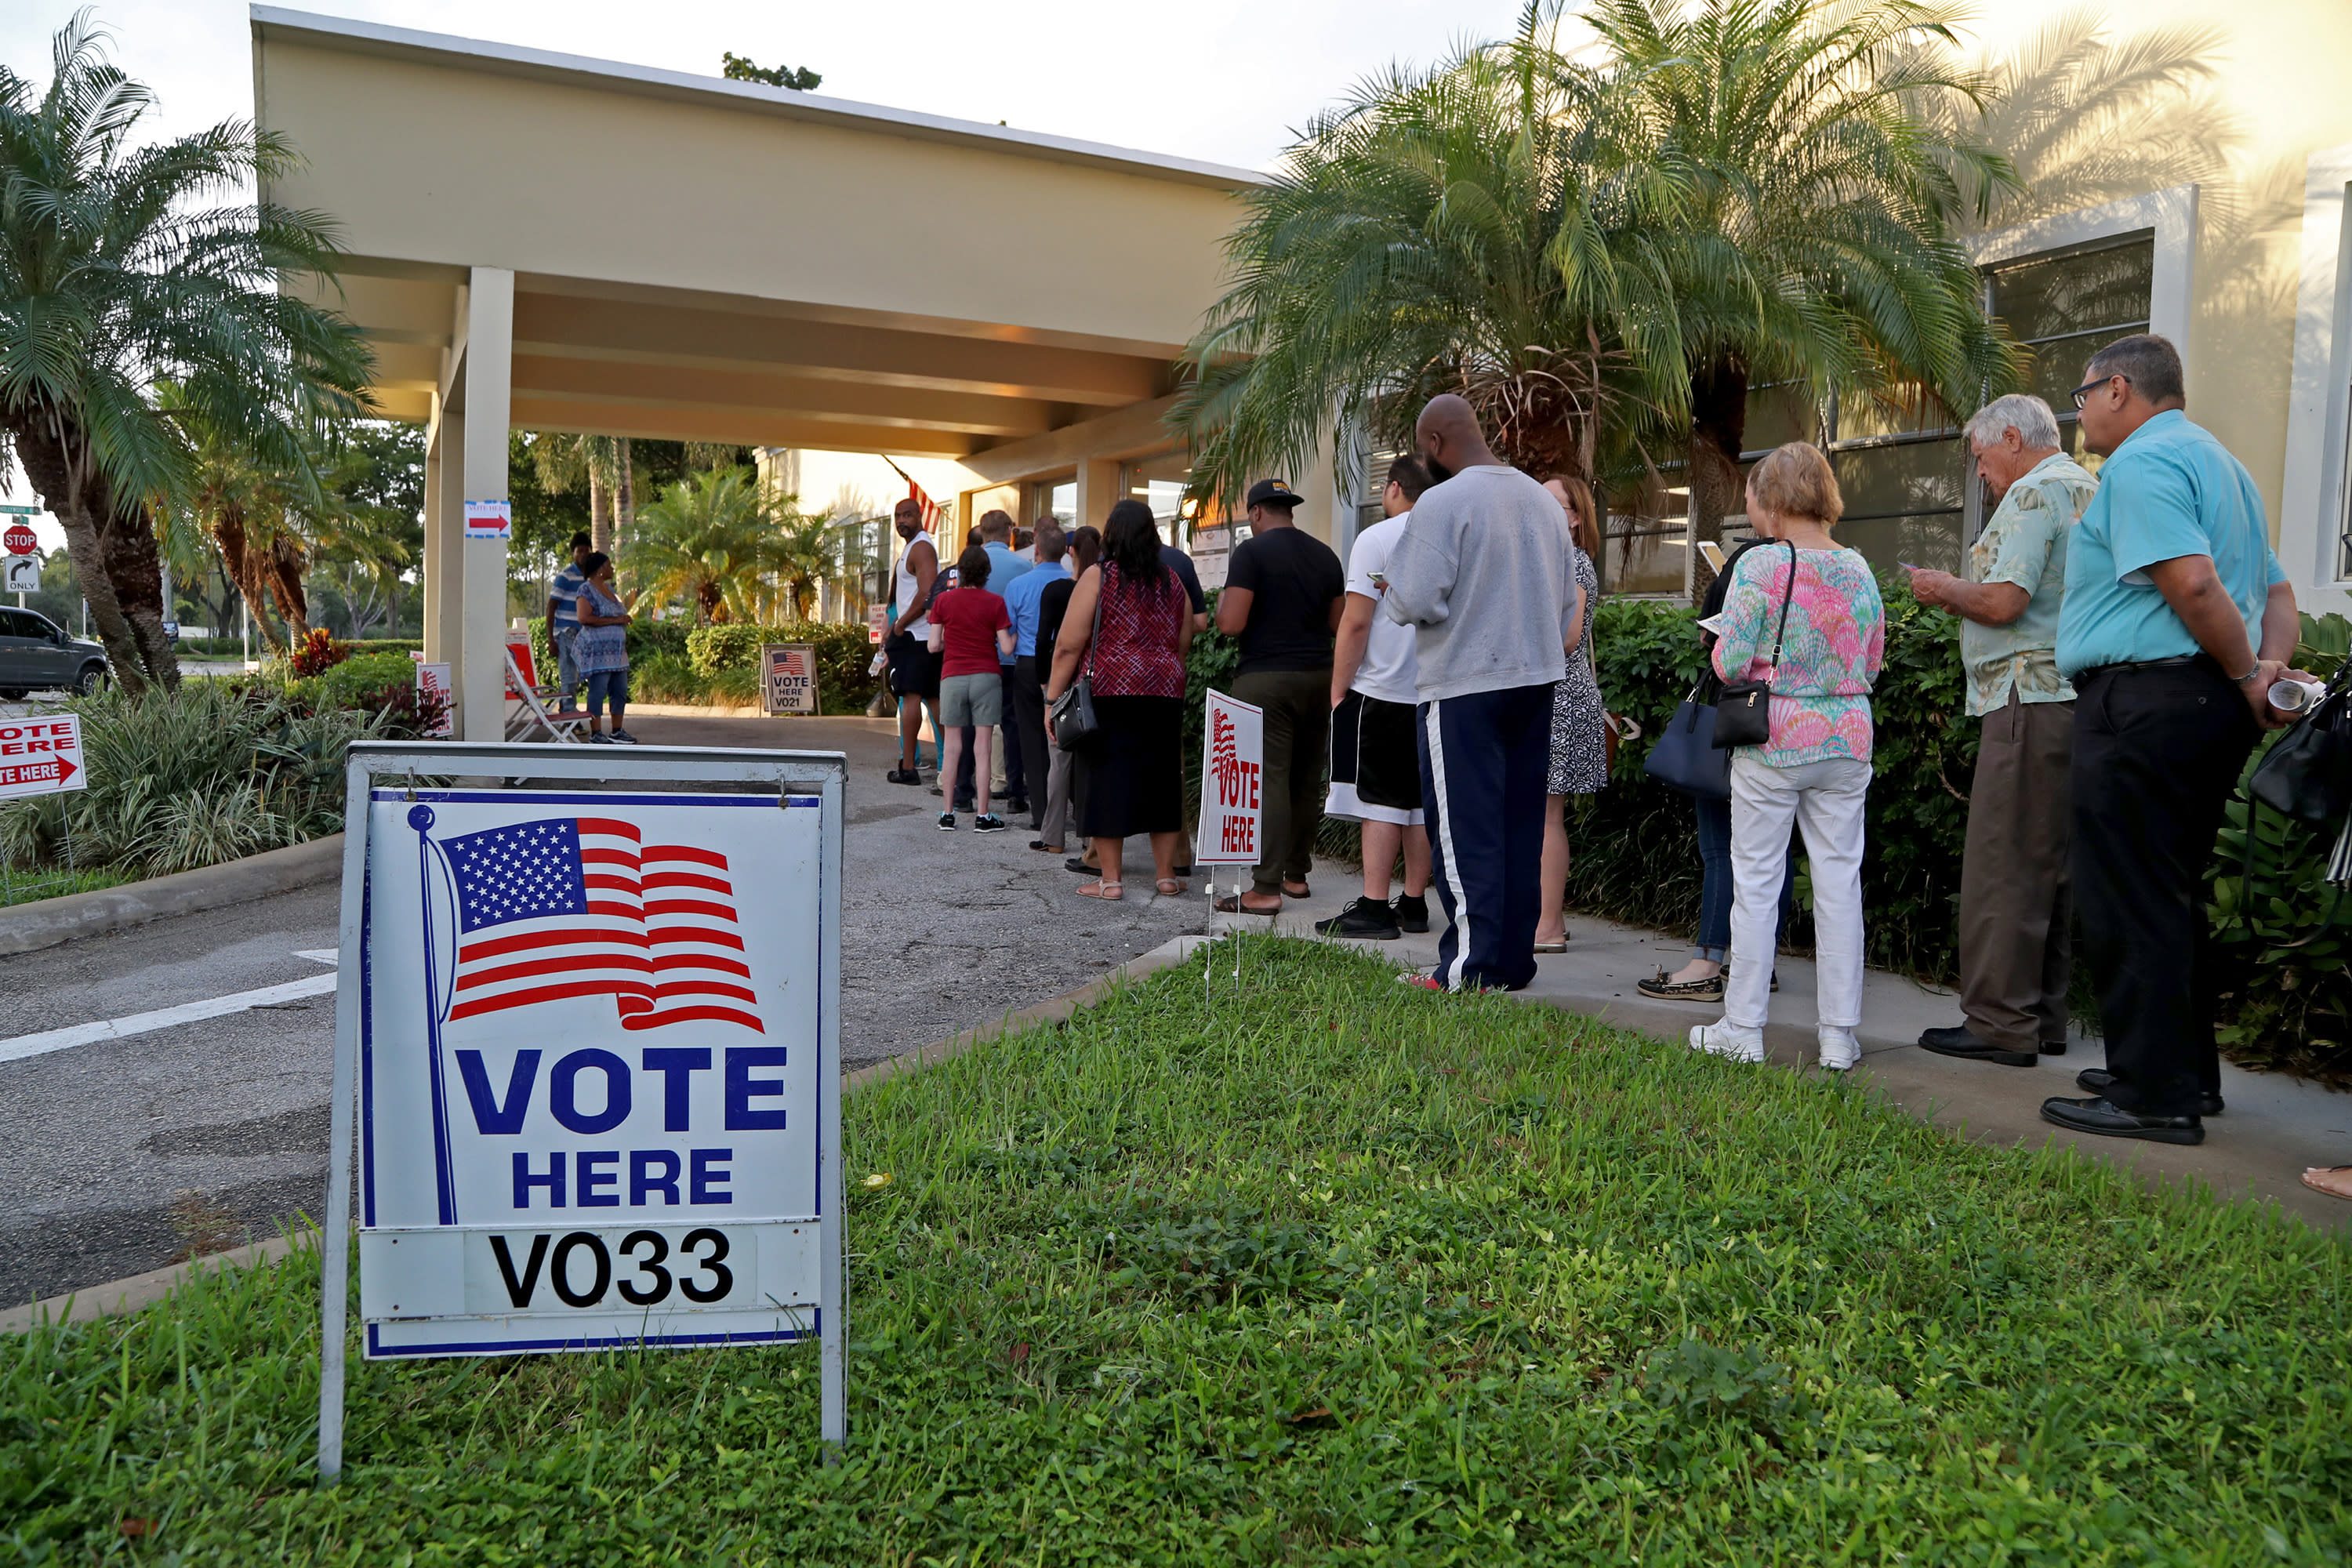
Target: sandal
(1231, 904)
(1110, 892)
(2325, 1171)
(1300, 891)
(1664, 989)
(1560, 946)
(1169, 887)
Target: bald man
(1482, 574)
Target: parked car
(36, 655)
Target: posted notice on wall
(41, 756)
(589, 1060)
(788, 678)
(1233, 805)
(490, 520)
(1213, 552)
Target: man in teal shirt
(2016, 887)
(2177, 621)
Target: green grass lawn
(1330, 1271)
(24, 884)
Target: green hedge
(352, 682)
(842, 654)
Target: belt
(2173, 663)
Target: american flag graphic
(582, 907)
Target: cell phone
(1907, 566)
(1379, 580)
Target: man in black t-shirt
(1282, 597)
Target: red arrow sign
(20, 539)
(54, 771)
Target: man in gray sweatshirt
(1482, 573)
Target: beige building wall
(2265, 92)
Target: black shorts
(912, 669)
(1375, 761)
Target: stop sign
(20, 539)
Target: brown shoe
(1661, 989)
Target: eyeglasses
(2082, 393)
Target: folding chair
(529, 714)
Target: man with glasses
(2177, 621)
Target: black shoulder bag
(1743, 714)
(1076, 728)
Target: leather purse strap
(1781, 635)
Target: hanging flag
(916, 494)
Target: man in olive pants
(2016, 888)
(1283, 596)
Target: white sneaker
(1840, 1050)
(1720, 1039)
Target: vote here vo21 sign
(590, 1071)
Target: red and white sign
(877, 621)
(435, 678)
(1232, 775)
(20, 539)
(41, 756)
(492, 520)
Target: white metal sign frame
(791, 780)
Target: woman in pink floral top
(1814, 769)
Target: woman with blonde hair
(1580, 745)
(1803, 615)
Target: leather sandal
(1169, 887)
(1110, 892)
(1231, 904)
(2325, 1171)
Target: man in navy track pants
(1482, 573)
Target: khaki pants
(2016, 887)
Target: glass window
(1159, 482)
(2064, 307)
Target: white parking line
(23, 1046)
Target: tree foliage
(722, 542)
(123, 265)
(792, 79)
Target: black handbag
(1685, 757)
(1743, 714)
(1076, 728)
(2307, 772)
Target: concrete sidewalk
(2257, 1149)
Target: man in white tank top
(914, 668)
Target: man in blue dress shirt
(1024, 600)
(2176, 622)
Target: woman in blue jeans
(1701, 980)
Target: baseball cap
(1274, 492)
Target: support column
(444, 466)
(1097, 489)
(489, 379)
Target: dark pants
(2156, 752)
(1298, 704)
(2016, 886)
(1715, 886)
(1007, 746)
(1485, 759)
(1027, 710)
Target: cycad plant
(118, 269)
(718, 540)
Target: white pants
(1826, 799)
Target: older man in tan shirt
(2016, 901)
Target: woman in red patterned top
(1134, 770)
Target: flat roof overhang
(705, 259)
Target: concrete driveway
(114, 1155)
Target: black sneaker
(947, 822)
(902, 776)
(2095, 1080)
(1018, 805)
(991, 823)
(1368, 918)
(623, 738)
(1411, 911)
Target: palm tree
(712, 538)
(804, 552)
(114, 273)
(1823, 162)
(1607, 251)
(1480, 228)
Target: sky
(1222, 80)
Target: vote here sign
(41, 756)
(589, 1071)
(1232, 772)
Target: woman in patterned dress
(1135, 768)
(1579, 749)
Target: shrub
(842, 654)
(184, 778)
(318, 654)
(352, 683)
